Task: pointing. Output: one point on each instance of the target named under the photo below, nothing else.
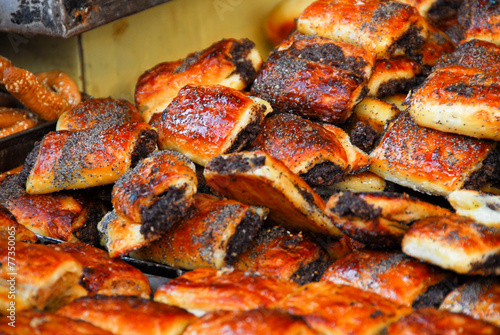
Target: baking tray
(15, 148)
(65, 18)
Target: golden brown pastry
(97, 111)
(48, 94)
(280, 21)
(284, 254)
(482, 208)
(479, 298)
(309, 87)
(128, 315)
(378, 219)
(360, 182)
(429, 160)
(212, 234)
(229, 62)
(437, 46)
(480, 20)
(103, 275)
(87, 158)
(255, 178)
(254, 322)
(460, 100)
(385, 28)
(9, 116)
(434, 9)
(205, 121)
(39, 273)
(337, 309)
(392, 275)
(9, 227)
(4, 63)
(157, 192)
(394, 75)
(456, 243)
(39, 323)
(207, 290)
(431, 321)
(306, 148)
(63, 216)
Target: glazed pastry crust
(258, 179)
(106, 276)
(479, 299)
(205, 121)
(433, 321)
(93, 112)
(254, 322)
(408, 155)
(128, 315)
(480, 20)
(208, 290)
(9, 226)
(212, 234)
(391, 76)
(392, 275)
(87, 158)
(31, 322)
(229, 62)
(43, 274)
(456, 243)
(337, 309)
(374, 25)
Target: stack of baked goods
(348, 184)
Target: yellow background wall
(108, 60)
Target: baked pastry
(40, 273)
(157, 192)
(482, 208)
(255, 178)
(435, 322)
(378, 219)
(39, 323)
(206, 290)
(303, 82)
(254, 322)
(280, 21)
(205, 121)
(480, 20)
(312, 151)
(385, 28)
(456, 243)
(437, 46)
(82, 159)
(435, 9)
(10, 227)
(212, 234)
(284, 254)
(392, 275)
(64, 216)
(103, 275)
(14, 120)
(360, 182)
(98, 111)
(394, 75)
(408, 155)
(4, 63)
(337, 309)
(479, 298)
(459, 100)
(128, 315)
(229, 62)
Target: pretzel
(4, 63)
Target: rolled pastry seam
(82, 159)
(394, 75)
(205, 121)
(213, 234)
(229, 62)
(256, 178)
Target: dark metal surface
(15, 148)
(65, 18)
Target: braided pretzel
(36, 91)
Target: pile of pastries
(347, 184)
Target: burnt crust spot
(326, 173)
(166, 211)
(244, 234)
(235, 164)
(239, 55)
(350, 204)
